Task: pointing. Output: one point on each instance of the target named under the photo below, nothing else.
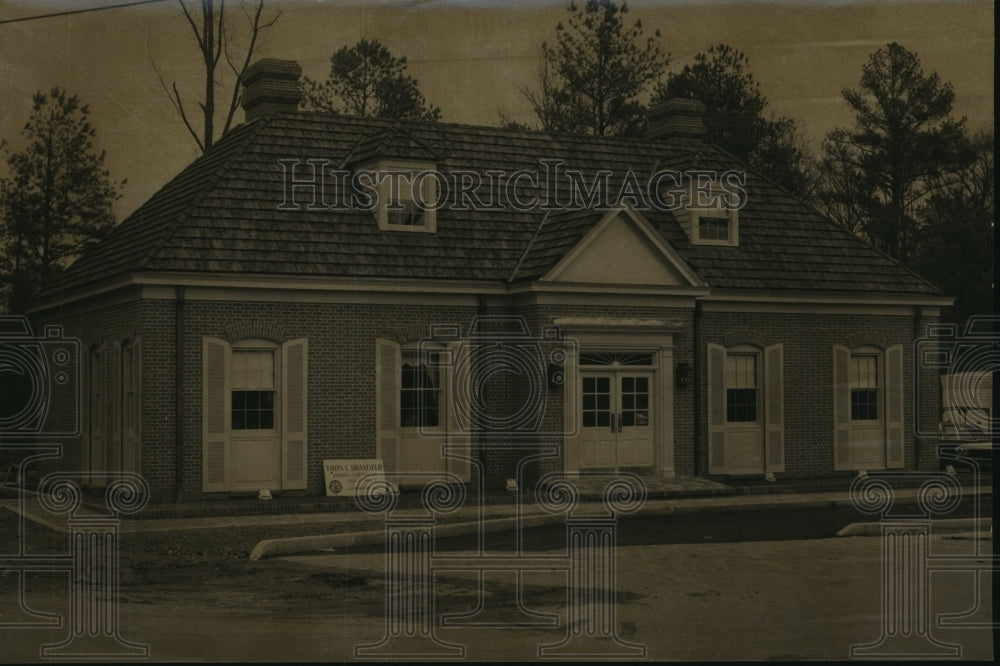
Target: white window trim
(443, 389)
(770, 408)
(879, 356)
(384, 186)
(758, 354)
(291, 426)
(253, 344)
(734, 228)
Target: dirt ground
(194, 595)
(156, 567)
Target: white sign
(342, 476)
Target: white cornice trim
(213, 285)
(832, 298)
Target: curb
(294, 545)
(938, 526)
(299, 545)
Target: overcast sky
(470, 58)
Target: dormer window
(713, 228)
(407, 196)
(713, 219)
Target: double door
(616, 419)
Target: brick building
(324, 287)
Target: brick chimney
(270, 85)
(679, 119)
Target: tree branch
(180, 109)
(194, 26)
(175, 101)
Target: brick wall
(341, 382)
(106, 328)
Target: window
(596, 402)
(868, 407)
(746, 408)
(253, 389)
(863, 380)
(615, 358)
(255, 414)
(635, 401)
(741, 388)
(713, 228)
(420, 390)
(710, 217)
(411, 215)
(407, 192)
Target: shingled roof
(221, 215)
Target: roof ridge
(250, 133)
(431, 124)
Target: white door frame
(622, 335)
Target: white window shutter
(133, 450)
(387, 368)
(894, 407)
(215, 415)
(841, 409)
(294, 414)
(774, 408)
(716, 409)
(117, 405)
(455, 381)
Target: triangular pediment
(623, 249)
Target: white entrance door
(616, 419)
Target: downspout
(178, 395)
(696, 382)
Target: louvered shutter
(294, 414)
(774, 409)
(894, 407)
(841, 409)
(387, 364)
(716, 409)
(117, 400)
(215, 415)
(135, 457)
(457, 399)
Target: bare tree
(214, 35)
